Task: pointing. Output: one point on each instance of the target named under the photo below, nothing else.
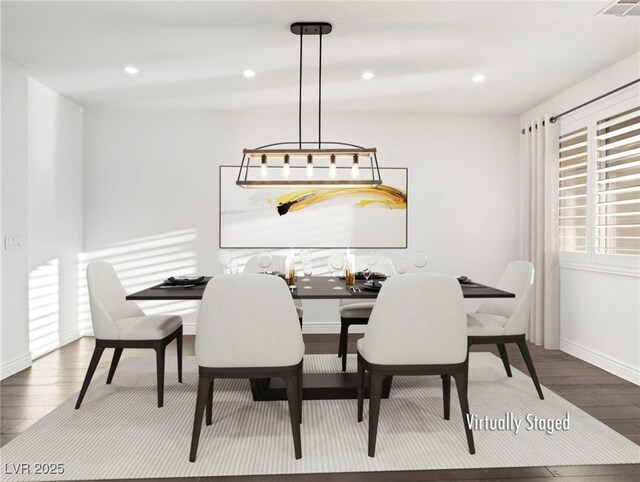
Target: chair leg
(293, 399)
(209, 419)
(360, 388)
(446, 395)
(160, 372)
(505, 358)
(386, 386)
(375, 393)
(179, 347)
(529, 362)
(114, 364)
(461, 386)
(93, 364)
(300, 394)
(203, 388)
(342, 345)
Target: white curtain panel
(541, 229)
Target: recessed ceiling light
(248, 73)
(130, 69)
(367, 75)
(478, 78)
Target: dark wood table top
(321, 289)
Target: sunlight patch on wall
(44, 308)
(141, 263)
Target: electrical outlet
(12, 241)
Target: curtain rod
(553, 119)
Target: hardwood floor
(31, 394)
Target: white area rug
(120, 433)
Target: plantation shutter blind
(572, 205)
(617, 184)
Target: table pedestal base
(316, 386)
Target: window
(617, 202)
(599, 185)
(573, 191)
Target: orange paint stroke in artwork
(384, 196)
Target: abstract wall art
(367, 217)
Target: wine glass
(224, 258)
(308, 271)
(233, 267)
(367, 273)
(337, 262)
(264, 260)
(330, 270)
(370, 260)
(419, 259)
(401, 265)
(306, 256)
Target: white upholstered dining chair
(417, 327)
(505, 320)
(119, 324)
(247, 327)
(278, 263)
(357, 312)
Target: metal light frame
(270, 150)
(337, 149)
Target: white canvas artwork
(314, 218)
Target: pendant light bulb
(263, 166)
(309, 165)
(333, 171)
(286, 168)
(355, 169)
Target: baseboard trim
(307, 328)
(70, 336)
(65, 338)
(328, 328)
(616, 367)
(16, 365)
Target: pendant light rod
(300, 98)
(320, 94)
(310, 28)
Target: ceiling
(191, 54)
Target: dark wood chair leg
(360, 388)
(93, 364)
(461, 386)
(209, 407)
(375, 394)
(529, 362)
(300, 394)
(203, 389)
(179, 348)
(160, 372)
(293, 399)
(505, 358)
(386, 386)
(258, 387)
(114, 364)
(446, 395)
(342, 345)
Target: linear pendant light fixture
(315, 164)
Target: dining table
(316, 386)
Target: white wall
(14, 334)
(599, 307)
(55, 217)
(151, 188)
(42, 203)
